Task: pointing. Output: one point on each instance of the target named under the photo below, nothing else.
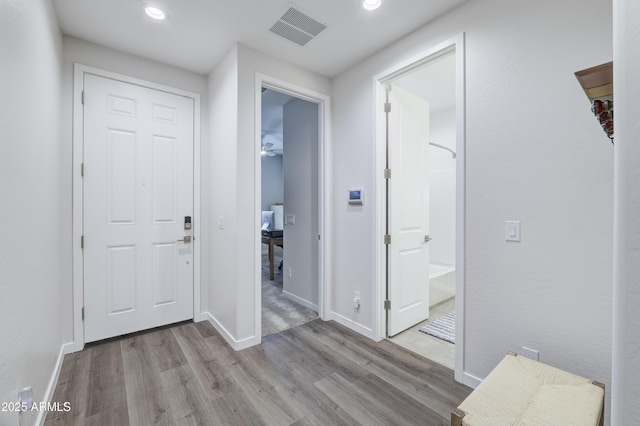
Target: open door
(408, 204)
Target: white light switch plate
(512, 231)
(290, 219)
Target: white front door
(408, 210)
(138, 189)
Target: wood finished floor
(278, 312)
(319, 373)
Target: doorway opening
(293, 148)
(288, 149)
(421, 203)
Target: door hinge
(387, 173)
(387, 305)
(82, 169)
(387, 107)
(318, 237)
(83, 313)
(82, 100)
(82, 242)
(387, 239)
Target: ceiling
(199, 33)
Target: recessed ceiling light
(371, 4)
(155, 13)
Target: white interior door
(138, 189)
(408, 210)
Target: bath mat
(444, 328)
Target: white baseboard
(358, 328)
(237, 345)
(72, 347)
(301, 301)
(471, 381)
(202, 316)
(53, 381)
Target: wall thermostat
(356, 197)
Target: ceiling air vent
(297, 27)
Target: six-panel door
(138, 189)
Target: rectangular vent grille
(297, 27)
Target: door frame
(380, 80)
(324, 189)
(79, 71)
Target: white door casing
(138, 187)
(408, 199)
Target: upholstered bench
(520, 391)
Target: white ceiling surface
(199, 33)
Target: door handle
(187, 239)
(427, 239)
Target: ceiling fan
(267, 147)
(267, 150)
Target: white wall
(34, 209)
(300, 139)
(223, 121)
(87, 53)
(534, 153)
(442, 188)
(232, 96)
(625, 408)
(272, 181)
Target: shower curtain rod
(453, 153)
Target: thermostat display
(356, 196)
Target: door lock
(187, 222)
(186, 239)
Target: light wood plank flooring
(278, 312)
(319, 373)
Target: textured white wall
(272, 181)
(33, 206)
(300, 137)
(223, 118)
(535, 154)
(626, 356)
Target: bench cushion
(520, 391)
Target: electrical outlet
(356, 301)
(25, 398)
(530, 353)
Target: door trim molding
(79, 71)
(457, 44)
(324, 191)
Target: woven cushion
(520, 391)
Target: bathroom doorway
(433, 86)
